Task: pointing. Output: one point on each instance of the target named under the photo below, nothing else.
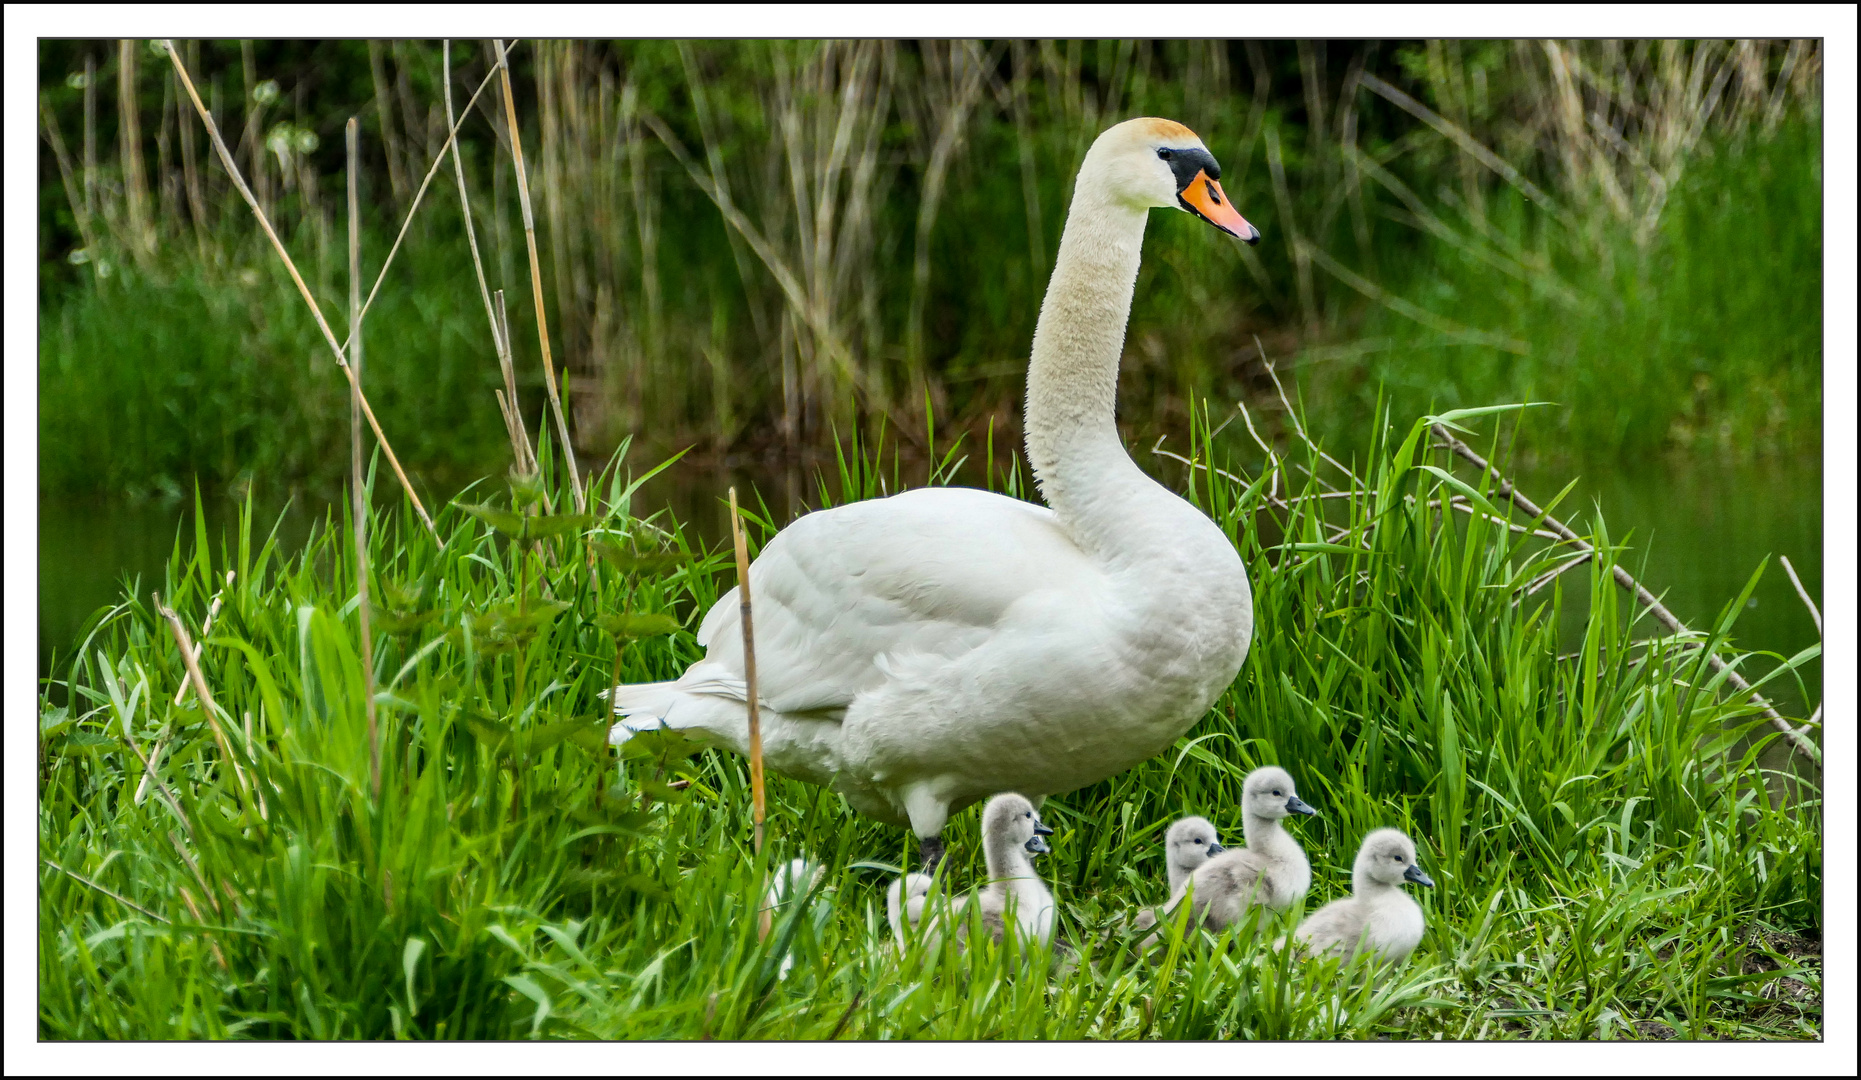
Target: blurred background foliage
(750, 246)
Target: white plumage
(921, 652)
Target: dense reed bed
(1609, 863)
(750, 246)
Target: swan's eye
(1276, 792)
(1198, 839)
(1166, 153)
(1398, 858)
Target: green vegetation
(1608, 861)
(1630, 230)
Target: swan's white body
(921, 652)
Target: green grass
(1605, 853)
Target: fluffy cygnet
(1271, 870)
(1379, 916)
(1188, 844)
(1012, 833)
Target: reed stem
(749, 665)
(358, 492)
(232, 171)
(536, 279)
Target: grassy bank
(751, 246)
(1609, 865)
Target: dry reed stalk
(749, 665)
(536, 278)
(90, 136)
(407, 219)
(148, 774)
(67, 175)
(749, 678)
(342, 361)
(112, 894)
(207, 708)
(524, 457)
(391, 140)
(1815, 615)
(358, 493)
(206, 627)
(1646, 599)
(129, 135)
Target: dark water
(1702, 527)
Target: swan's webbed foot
(930, 851)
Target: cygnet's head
(1013, 818)
(1268, 793)
(1190, 843)
(1150, 162)
(1388, 856)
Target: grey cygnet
(1270, 871)
(1012, 833)
(1379, 916)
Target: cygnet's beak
(1204, 198)
(1041, 828)
(1037, 845)
(1414, 873)
(1215, 849)
(1296, 805)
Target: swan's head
(1268, 793)
(1388, 856)
(1150, 162)
(1190, 843)
(1013, 819)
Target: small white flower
(266, 92)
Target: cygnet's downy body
(1188, 844)
(1379, 916)
(1012, 833)
(1271, 871)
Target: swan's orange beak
(1203, 197)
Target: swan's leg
(928, 812)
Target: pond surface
(1703, 528)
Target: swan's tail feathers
(704, 697)
(904, 903)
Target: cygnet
(1188, 844)
(1271, 870)
(1012, 833)
(1379, 916)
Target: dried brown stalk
(749, 679)
(1646, 599)
(358, 493)
(207, 708)
(232, 171)
(536, 278)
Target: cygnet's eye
(1029, 814)
(1276, 792)
(1398, 858)
(1166, 153)
(1198, 839)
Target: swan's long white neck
(1072, 380)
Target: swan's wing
(842, 593)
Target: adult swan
(922, 652)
